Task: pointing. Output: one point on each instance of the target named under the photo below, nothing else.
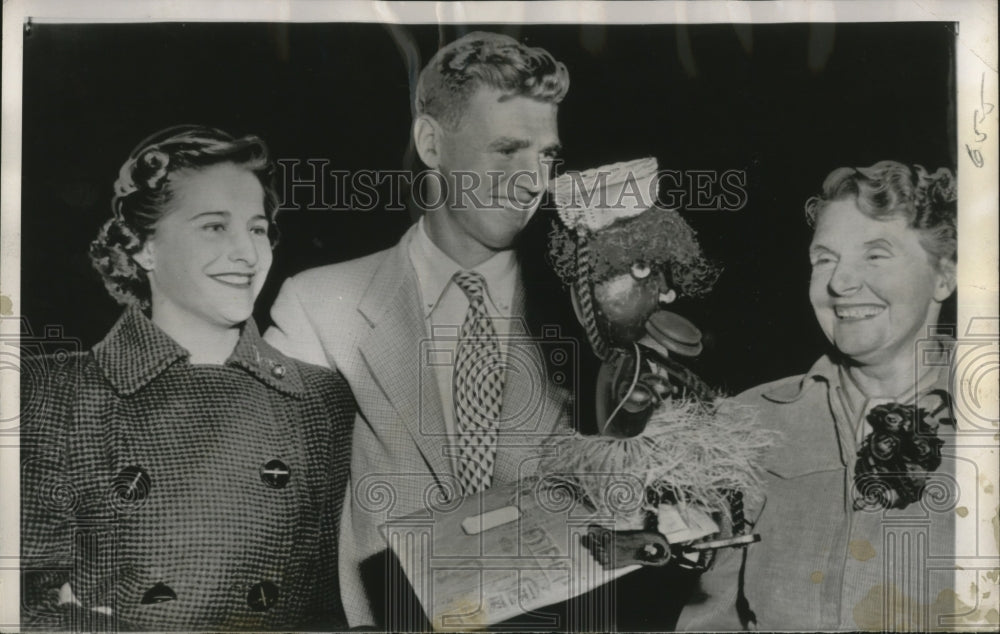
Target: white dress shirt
(445, 305)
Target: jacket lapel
(531, 407)
(393, 352)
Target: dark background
(785, 103)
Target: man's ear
(427, 135)
(145, 257)
(946, 280)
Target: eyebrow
(520, 144)
(879, 242)
(509, 142)
(225, 214)
(203, 214)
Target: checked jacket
(157, 494)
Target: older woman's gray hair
(887, 189)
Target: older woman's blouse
(821, 564)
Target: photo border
(977, 135)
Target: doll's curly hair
(658, 238)
(146, 186)
(888, 189)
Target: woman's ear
(145, 257)
(946, 280)
(427, 138)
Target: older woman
(858, 528)
(183, 474)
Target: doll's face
(627, 300)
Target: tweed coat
(821, 565)
(364, 317)
(158, 494)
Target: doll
(660, 427)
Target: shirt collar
(435, 270)
(825, 370)
(136, 351)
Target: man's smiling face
(497, 164)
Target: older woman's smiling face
(873, 286)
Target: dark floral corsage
(896, 458)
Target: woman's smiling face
(210, 252)
(874, 288)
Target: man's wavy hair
(145, 188)
(482, 59)
(887, 189)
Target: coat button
(262, 596)
(275, 474)
(158, 594)
(132, 484)
(278, 371)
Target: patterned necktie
(478, 388)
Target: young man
(439, 419)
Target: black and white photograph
(554, 316)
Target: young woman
(183, 474)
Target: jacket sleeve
(718, 603)
(339, 408)
(293, 333)
(48, 497)
(712, 606)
